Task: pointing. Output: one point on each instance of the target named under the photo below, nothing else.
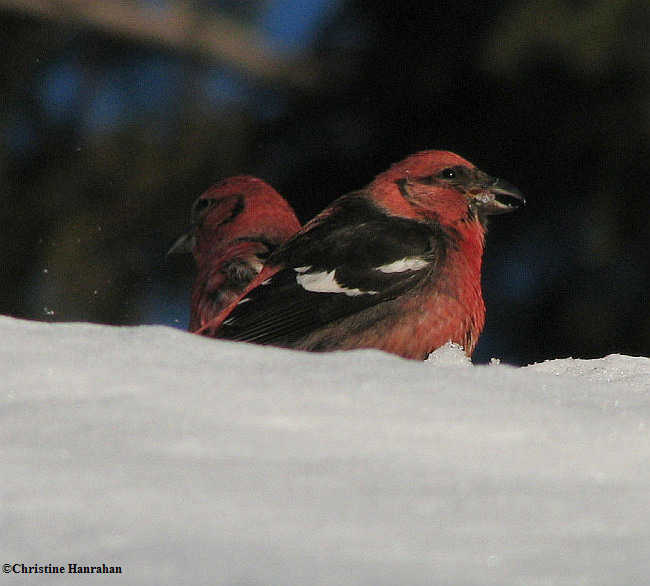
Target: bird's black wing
(350, 258)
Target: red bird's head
(442, 186)
(236, 209)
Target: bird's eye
(448, 173)
(203, 204)
(200, 206)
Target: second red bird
(235, 225)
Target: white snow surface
(186, 460)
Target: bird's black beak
(498, 197)
(184, 244)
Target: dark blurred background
(117, 115)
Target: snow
(186, 460)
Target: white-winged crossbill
(235, 225)
(395, 266)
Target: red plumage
(395, 266)
(236, 224)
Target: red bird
(235, 225)
(395, 266)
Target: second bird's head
(238, 208)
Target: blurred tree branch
(181, 28)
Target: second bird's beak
(499, 197)
(184, 245)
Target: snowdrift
(185, 460)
